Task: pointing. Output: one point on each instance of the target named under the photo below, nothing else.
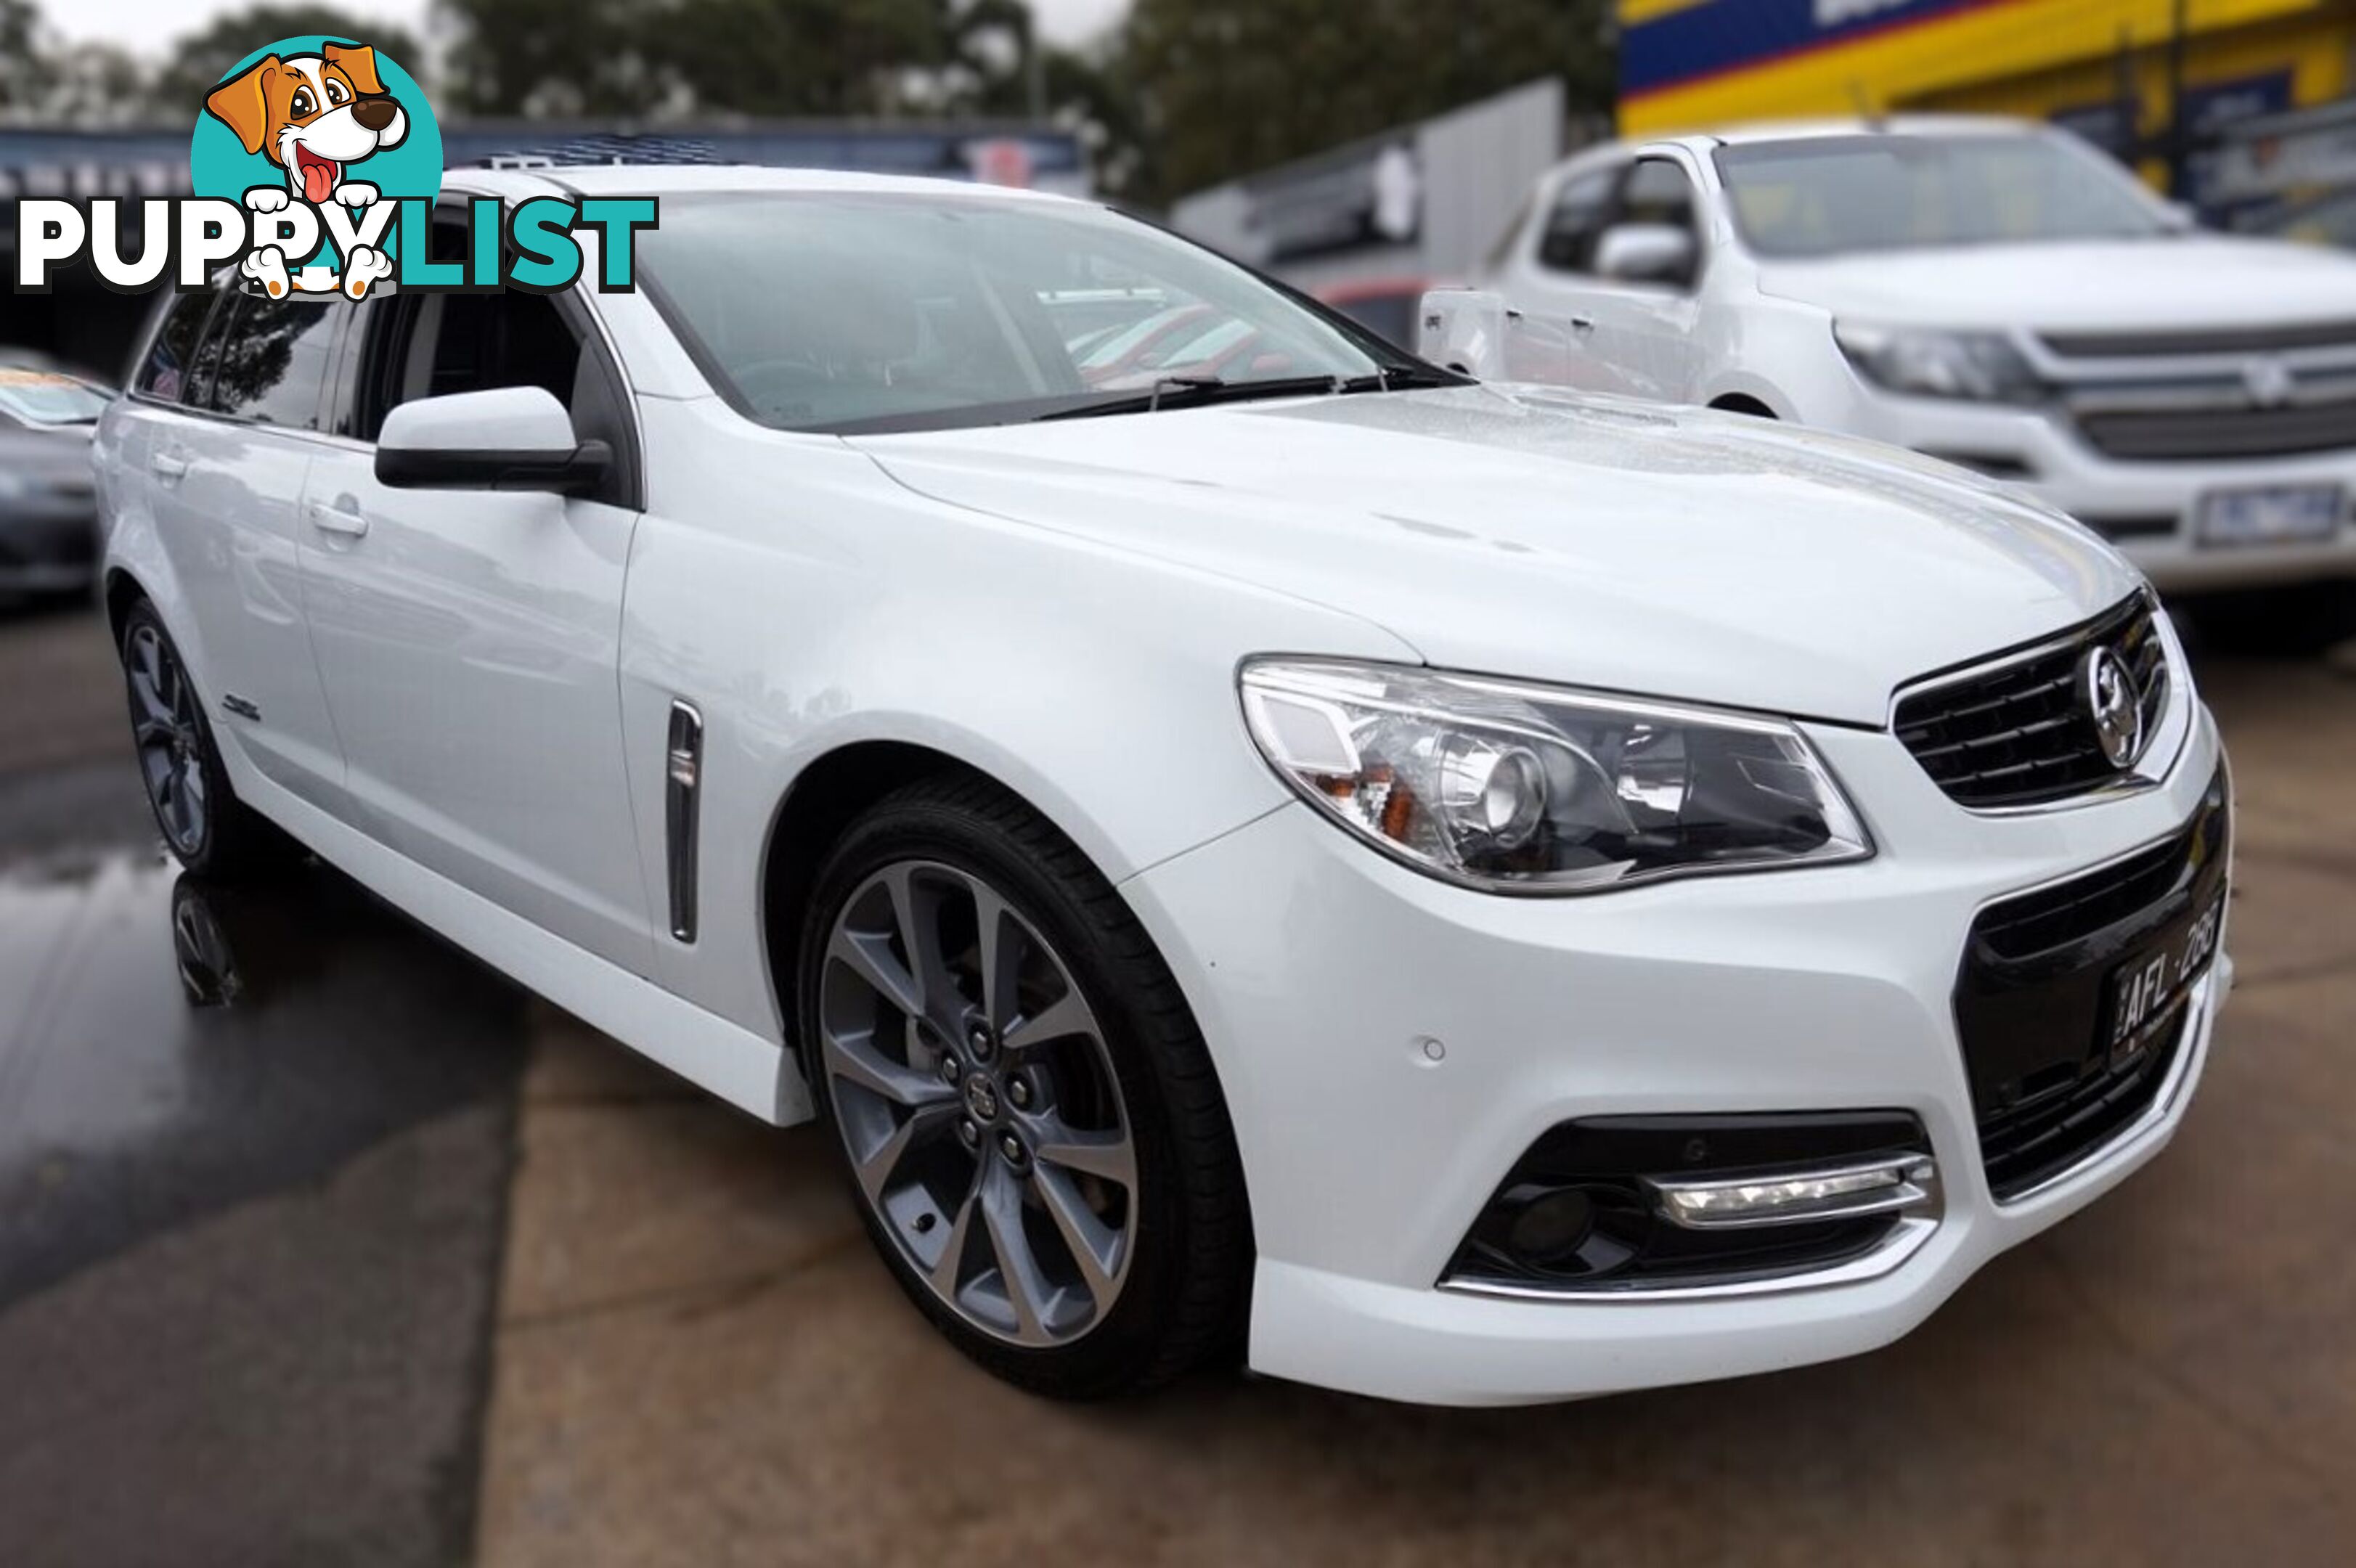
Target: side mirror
(1645, 253)
(512, 438)
(2179, 217)
(1464, 330)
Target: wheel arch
(118, 592)
(823, 799)
(829, 793)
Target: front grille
(2050, 918)
(2031, 996)
(2021, 1148)
(2193, 341)
(2185, 436)
(2018, 733)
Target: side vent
(683, 780)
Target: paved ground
(248, 1255)
(694, 1358)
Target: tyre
(1029, 1118)
(205, 826)
(2301, 621)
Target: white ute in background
(1986, 292)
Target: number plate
(2142, 993)
(2291, 514)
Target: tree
(24, 65)
(735, 57)
(554, 56)
(200, 60)
(81, 84)
(95, 84)
(804, 57)
(1226, 87)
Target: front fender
(803, 602)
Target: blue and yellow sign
(1689, 64)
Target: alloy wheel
(169, 734)
(977, 1101)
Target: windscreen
(862, 312)
(45, 397)
(1835, 195)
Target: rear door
(468, 639)
(230, 423)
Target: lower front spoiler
(1438, 1346)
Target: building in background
(2162, 84)
(1382, 215)
(83, 324)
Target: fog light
(1550, 1227)
(1874, 1187)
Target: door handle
(1582, 323)
(167, 464)
(336, 520)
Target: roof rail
(607, 148)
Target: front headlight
(1981, 366)
(1524, 789)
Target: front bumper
(2147, 509)
(1389, 1045)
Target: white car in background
(1462, 894)
(1987, 291)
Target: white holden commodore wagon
(1251, 844)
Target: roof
(1766, 131)
(1886, 125)
(669, 179)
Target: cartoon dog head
(312, 115)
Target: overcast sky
(146, 25)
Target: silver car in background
(48, 506)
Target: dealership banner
(1691, 64)
(1668, 45)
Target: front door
(1646, 327)
(467, 638)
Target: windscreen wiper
(1197, 391)
(1401, 378)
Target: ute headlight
(1979, 367)
(1527, 789)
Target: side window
(429, 346)
(1578, 216)
(1657, 192)
(196, 386)
(433, 345)
(273, 358)
(165, 372)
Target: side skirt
(750, 1073)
